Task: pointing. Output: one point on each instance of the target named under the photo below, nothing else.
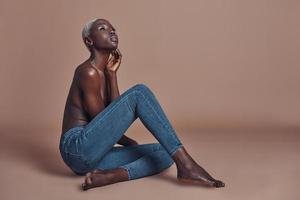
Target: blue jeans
(91, 146)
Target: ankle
(123, 173)
(183, 160)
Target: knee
(141, 87)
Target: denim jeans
(91, 146)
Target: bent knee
(141, 87)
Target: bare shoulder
(85, 70)
(85, 74)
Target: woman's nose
(112, 32)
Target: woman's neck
(99, 58)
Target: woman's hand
(126, 141)
(130, 142)
(114, 61)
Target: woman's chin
(111, 47)
(115, 47)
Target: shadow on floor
(38, 148)
(171, 178)
(34, 147)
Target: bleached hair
(87, 28)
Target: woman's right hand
(114, 61)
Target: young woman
(96, 117)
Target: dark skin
(93, 87)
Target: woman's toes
(84, 186)
(219, 183)
(87, 182)
(88, 179)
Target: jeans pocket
(77, 164)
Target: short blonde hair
(86, 31)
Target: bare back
(74, 112)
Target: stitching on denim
(67, 144)
(65, 136)
(164, 125)
(128, 171)
(128, 104)
(173, 151)
(108, 112)
(75, 155)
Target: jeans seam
(75, 155)
(164, 125)
(115, 107)
(161, 121)
(66, 143)
(128, 104)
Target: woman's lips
(114, 39)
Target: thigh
(119, 156)
(106, 128)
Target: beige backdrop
(211, 63)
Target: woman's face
(103, 35)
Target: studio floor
(254, 163)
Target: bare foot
(198, 175)
(98, 177)
(188, 171)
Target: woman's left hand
(114, 61)
(131, 142)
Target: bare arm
(89, 83)
(113, 85)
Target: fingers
(111, 56)
(116, 54)
(114, 60)
(119, 53)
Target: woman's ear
(88, 41)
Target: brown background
(224, 71)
